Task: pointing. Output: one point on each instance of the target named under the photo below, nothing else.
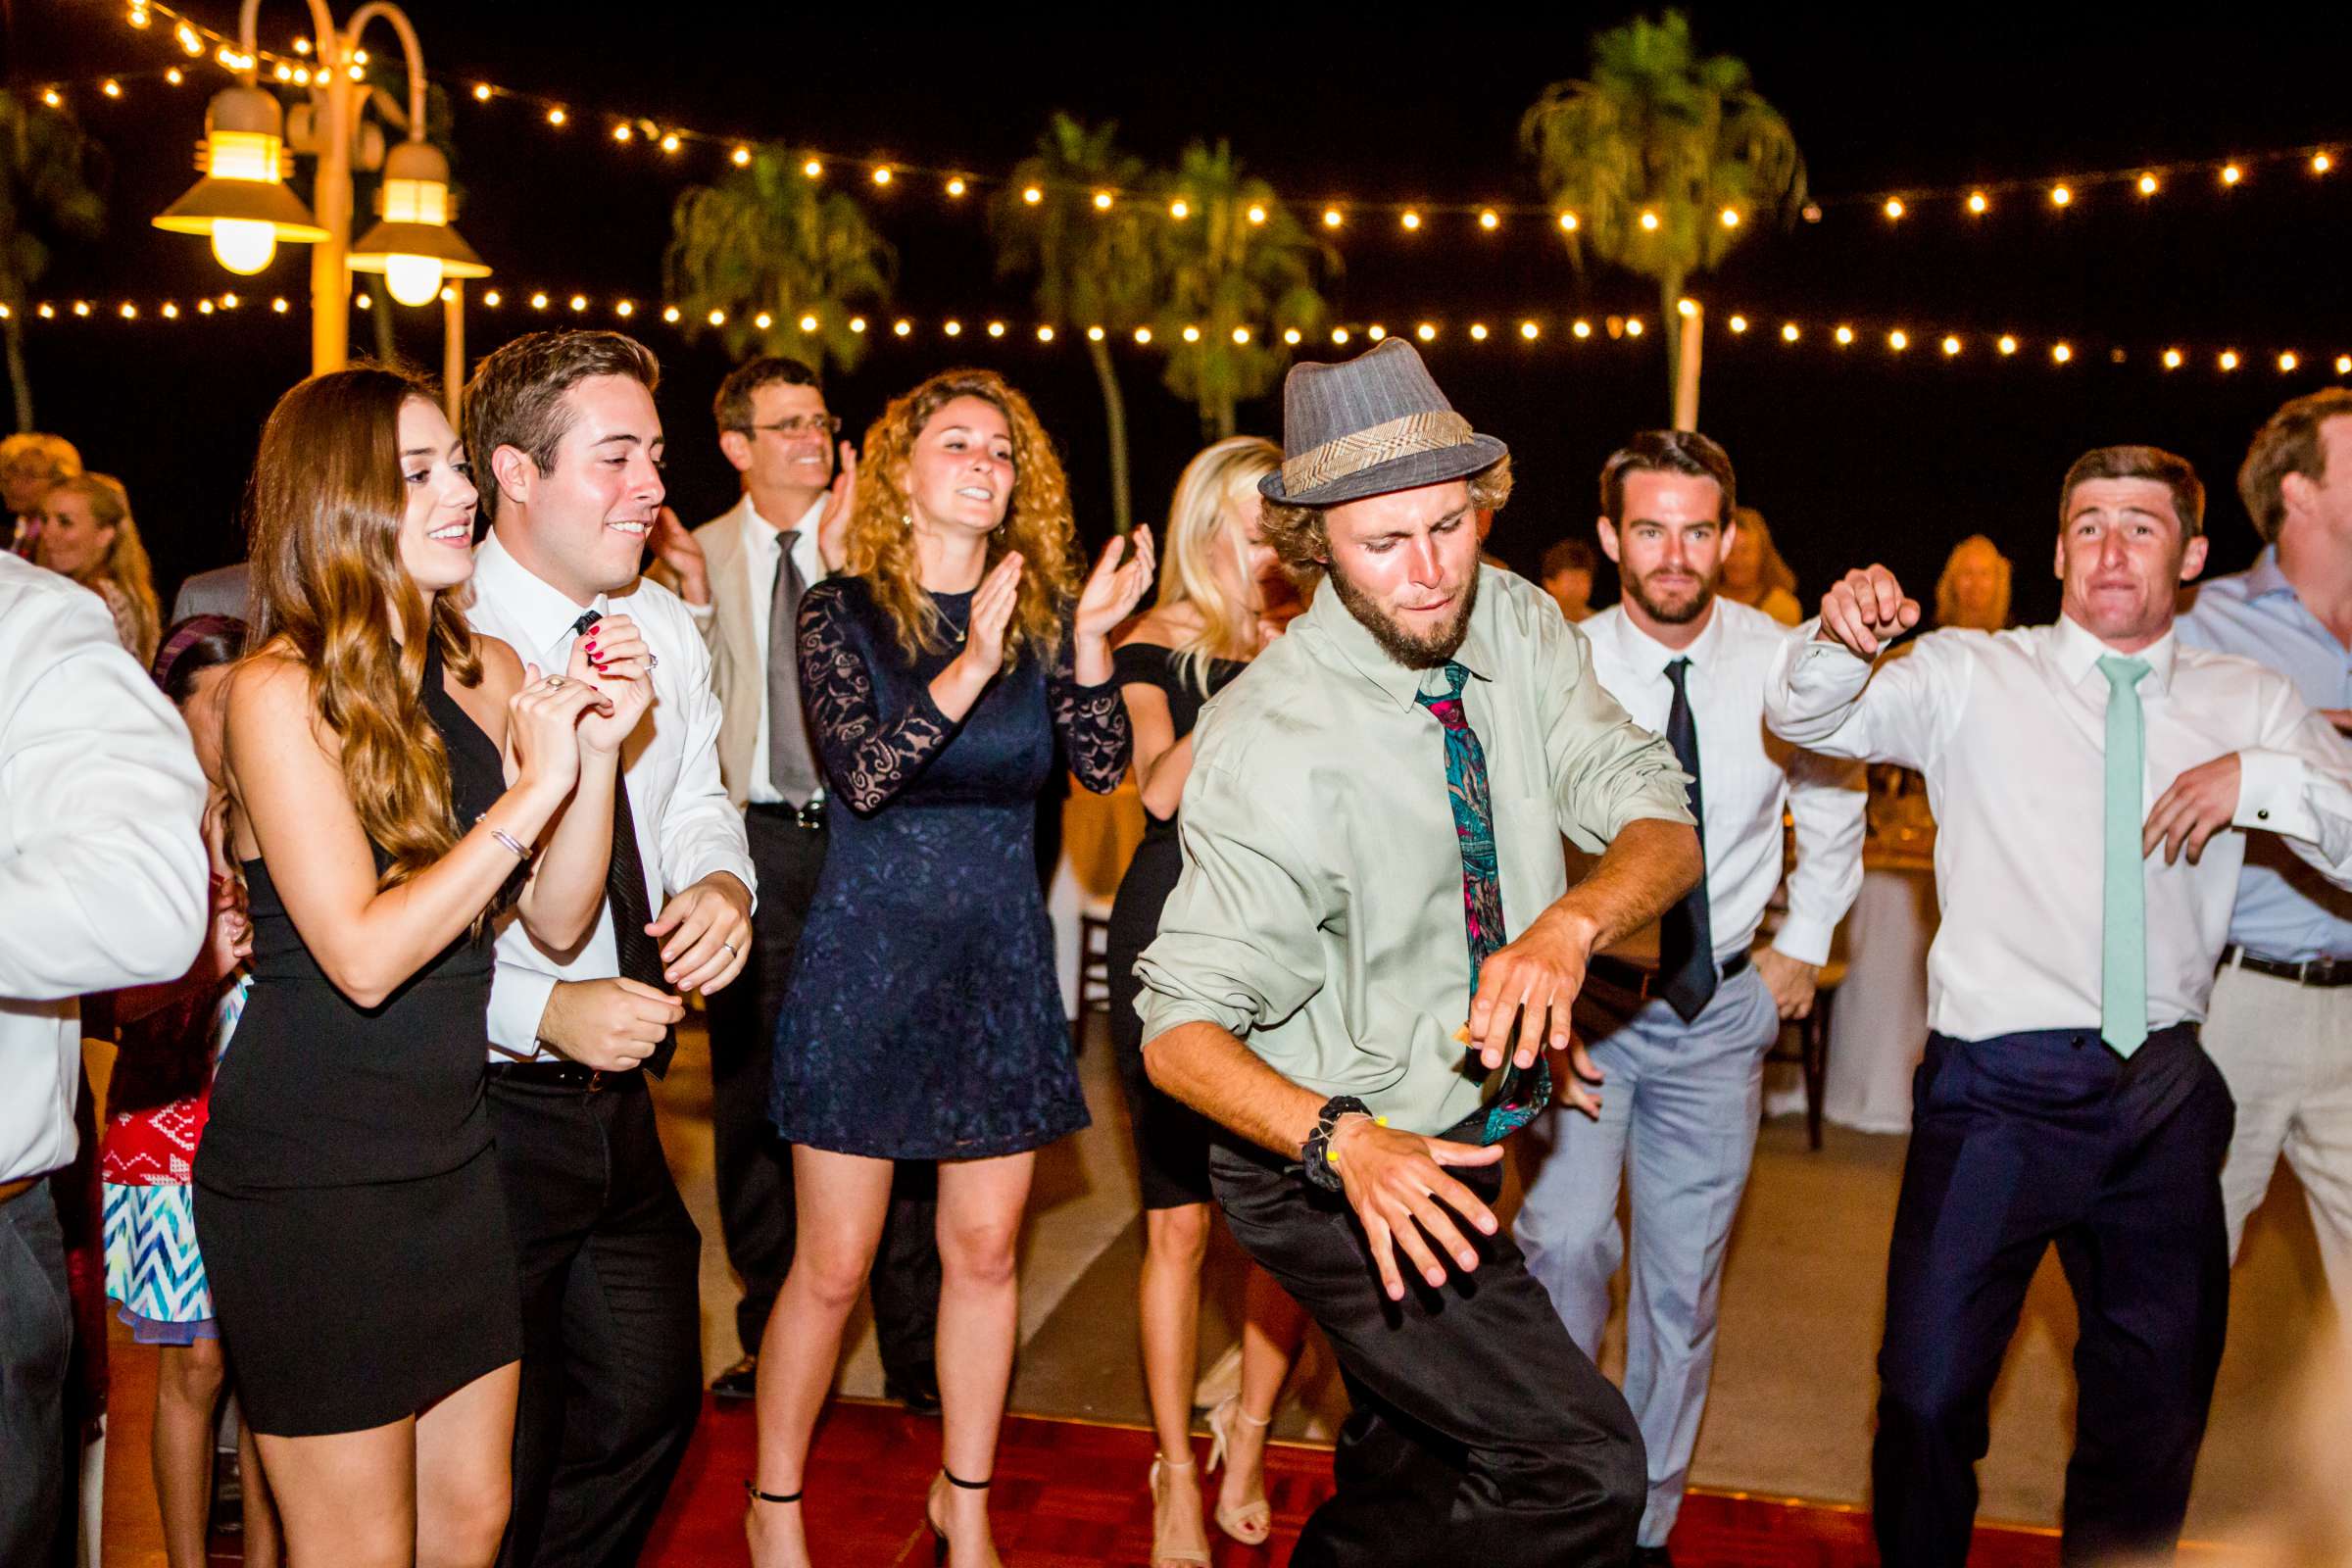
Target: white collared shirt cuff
(702, 614)
(2270, 795)
(1804, 939)
(518, 1000)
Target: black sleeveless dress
(924, 1020)
(1171, 1139)
(347, 1200)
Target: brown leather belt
(10, 1191)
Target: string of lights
(1335, 217)
(1858, 336)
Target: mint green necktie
(2123, 939)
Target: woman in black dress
(924, 1020)
(1222, 596)
(393, 780)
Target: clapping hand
(1866, 610)
(833, 524)
(1115, 586)
(993, 605)
(612, 661)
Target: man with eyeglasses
(742, 574)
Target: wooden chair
(1094, 967)
(1806, 1042)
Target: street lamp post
(243, 205)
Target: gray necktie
(790, 766)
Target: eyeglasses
(821, 424)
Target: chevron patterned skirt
(152, 1265)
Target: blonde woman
(938, 670)
(1756, 576)
(1222, 597)
(86, 535)
(1974, 590)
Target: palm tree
(48, 169)
(1667, 160)
(770, 240)
(1241, 271)
(1095, 264)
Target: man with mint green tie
(2093, 781)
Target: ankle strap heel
(954, 1480)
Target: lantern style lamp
(413, 245)
(242, 202)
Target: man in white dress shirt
(742, 575)
(563, 426)
(104, 883)
(1680, 1038)
(2093, 782)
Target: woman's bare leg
(841, 1201)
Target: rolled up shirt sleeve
(1606, 770)
(1239, 942)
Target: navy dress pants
(2018, 1142)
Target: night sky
(1853, 455)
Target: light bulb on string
(1241, 335)
(995, 329)
(1427, 331)
(1738, 324)
(1567, 223)
(1978, 202)
(1339, 336)
(2232, 173)
(1790, 332)
(1580, 329)
(1191, 334)
(2288, 361)
(1530, 330)
(2320, 163)
(1044, 334)
(808, 324)
(2007, 344)
(1649, 222)
(1292, 336)
(952, 326)
(1142, 334)
(1844, 335)
(741, 157)
(901, 326)
(1411, 219)
(1376, 332)
(1331, 218)
(1478, 331)
(1894, 208)
(763, 320)
(1898, 340)
(1489, 220)
(1951, 347)
(1633, 326)
(2148, 184)
(2343, 364)
(2061, 195)
(856, 323)
(1095, 334)
(2172, 358)
(2061, 353)
(956, 185)
(1728, 217)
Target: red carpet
(1071, 1495)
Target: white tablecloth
(1880, 1027)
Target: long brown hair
(328, 587)
(124, 563)
(1037, 522)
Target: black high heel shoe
(939, 1537)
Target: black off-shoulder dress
(924, 1019)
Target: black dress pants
(2018, 1142)
(1480, 1433)
(612, 1326)
(756, 1215)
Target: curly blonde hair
(1037, 521)
(1298, 538)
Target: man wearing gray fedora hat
(1381, 795)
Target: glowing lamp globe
(243, 204)
(414, 247)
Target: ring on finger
(554, 681)
(730, 946)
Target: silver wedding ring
(730, 946)
(653, 660)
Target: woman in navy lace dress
(924, 1020)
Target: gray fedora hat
(1369, 425)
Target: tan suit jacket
(736, 670)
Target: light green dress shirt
(1320, 914)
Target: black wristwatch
(1314, 1155)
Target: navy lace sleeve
(868, 757)
(1090, 720)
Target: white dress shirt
(2010, 730)
(104, 881)
(1747, 776)
(764, 547)
(686, 827)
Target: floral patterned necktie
(1516, 1097)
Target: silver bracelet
(522, 851)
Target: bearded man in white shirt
(1677, 1026)
(2090, 780)
(742, 575)
(103, 884)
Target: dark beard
(1683, 617)
(1414, 652)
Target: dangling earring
(909, 521)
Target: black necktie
(1685, 936)
(624, 892)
